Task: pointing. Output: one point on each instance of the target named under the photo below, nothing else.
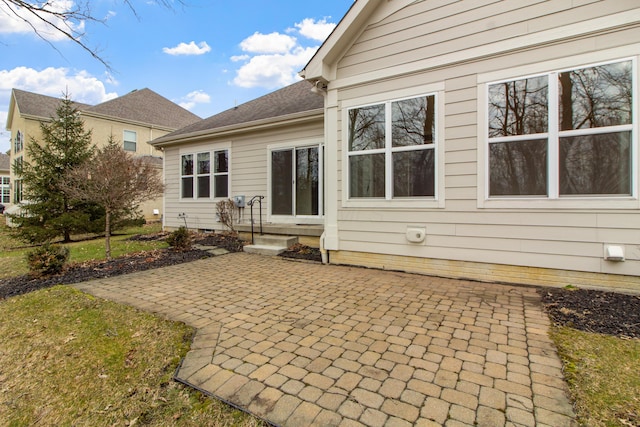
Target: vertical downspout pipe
(323, 251)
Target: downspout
(323, 252)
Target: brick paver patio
(301, 344)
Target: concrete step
(265, 249)
(275, 240)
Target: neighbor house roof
(145, 106)
(5, 162)
(142, 106)
(286, 102)
(43, 106)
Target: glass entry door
(295, 182)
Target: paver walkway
(302, 344)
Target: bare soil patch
(299, 251)
(610, 313)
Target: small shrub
(226, 213)
(180, 239)
(47, 259)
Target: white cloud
(315, 30)
(238, 58)
(81, 86)
(188, 49)
(193, 98)
(273, 71)
(14, 20)
(268, 43)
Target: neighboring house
(133, 119)
(484, 140)
(5, 180)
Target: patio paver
(302, 344)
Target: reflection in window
(408, 152)
(187, 176)
(590, 136)
(221, 173)
(204, 177)
(130, 140)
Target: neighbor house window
(391, 149)
(187, 176)
(5, 189)
(562, 134)
(130, 140)
(18, 143)
(17, 191)
(221, 173)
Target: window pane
(366, 176)
(203, 163)
(518, 168)
(366, 128)
(221, 161)
(596, 164)
(282, 182)
(187, 188)
(187, 164)
(413, 121)
(596, 96)
(221, 185)
(204, 186)
(413, 173)
(518, 107)
(307, 181)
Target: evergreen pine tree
(48, 213)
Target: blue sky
(204, 55)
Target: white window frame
(5, 185)
(125, 140)
(297, 219)
(18, 144)
(200, 150)
(553, 200)
(387, 98)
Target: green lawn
(68, 358)
(13, 251)
(603, 373)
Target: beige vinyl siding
(248, 172)
(564, 239)
(428, 29)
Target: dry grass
(68, 358)
(603, 373)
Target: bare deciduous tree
(116, 181)
(65, 19)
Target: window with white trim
(5, 189)
(562, 134)
(391, 149)
(196, 177)
(130, 139)
(18, 143)
(221, 173)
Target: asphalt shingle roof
(5, 162)
(143, 106)
(296, 98)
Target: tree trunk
(107, 234)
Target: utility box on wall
(239, 201)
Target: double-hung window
(563, 134)
(18, 143)
(221, 173)
(391, 150)
(196, 175)
(5, 189)
(130, 140)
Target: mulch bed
(99, 269)
(299, 251)
(589, 310)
